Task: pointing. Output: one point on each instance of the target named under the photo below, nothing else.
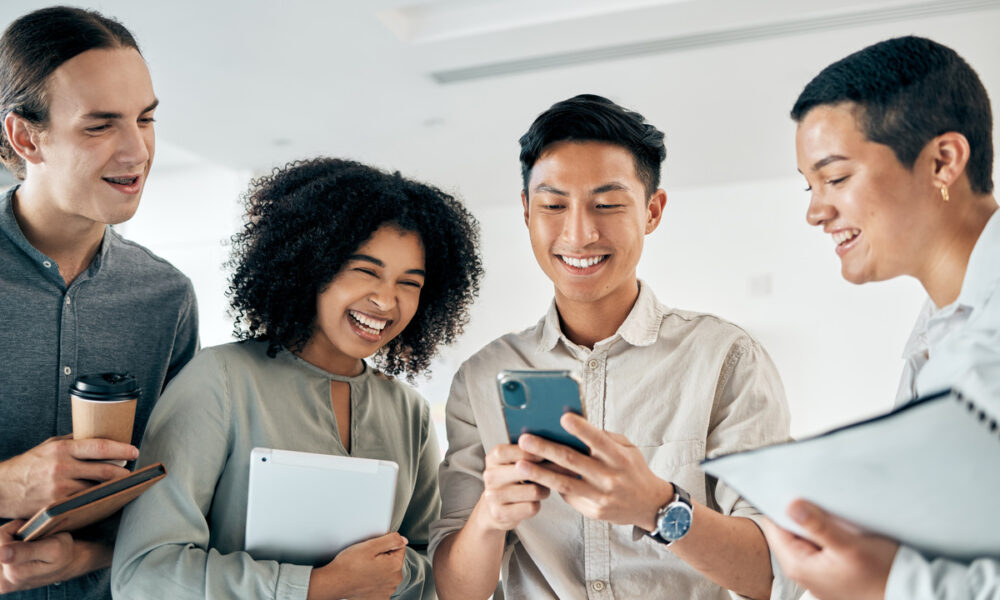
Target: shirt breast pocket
(678, 462)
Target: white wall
(186, 216)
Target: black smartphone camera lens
(511, 386)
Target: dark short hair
(910, 90)
(303, 223)
(34, 46)
(591, 118)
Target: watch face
(675, 522)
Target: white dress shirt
(681, 386)
(956, 346)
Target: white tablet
(304, 508)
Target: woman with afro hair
(337, 262)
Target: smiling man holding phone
(661, 388)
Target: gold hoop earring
(944, 193)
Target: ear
(23, 137)
(654, 210)
(524, 204)
(949, 154)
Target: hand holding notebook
(924, 474)
(91, 505)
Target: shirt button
(592, 363)
(67, 370)
(598, 586)
(67, 300)
(47, 264)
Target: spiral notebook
(926, 474)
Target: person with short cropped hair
(662, 389)
(77, 106)
(896, 144)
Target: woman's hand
(365, 571)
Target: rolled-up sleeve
(916, 577)
(163, 547)
(461, 473)
(750, 411)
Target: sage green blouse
(184, 538)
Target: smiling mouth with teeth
(844, 236)
(368, 324)
(121, 180)
(582, 263)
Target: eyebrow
(614, 186)
(116, 115)
(819, 164)
(548, 189)
(378, 263)
(601, 189)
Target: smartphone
(534, 401)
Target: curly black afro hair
(303, 222)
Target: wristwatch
(673, 520)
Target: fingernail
(799, 512)
(405, 541)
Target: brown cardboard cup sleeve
(91, 505)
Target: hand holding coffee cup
(103, 406)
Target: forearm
(12, 504)
(184, 571)
(9, 508)
(467, 562)
(731, 551)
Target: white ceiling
(253, 83)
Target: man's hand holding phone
(613, 484)
(507, 498)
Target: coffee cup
(103, 406)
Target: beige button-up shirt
(682, 386)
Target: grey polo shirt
(128, 311)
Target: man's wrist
(664, 493)
(482, 525)
(9, 505)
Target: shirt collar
(982, 275)
(10, 227)
(982, 278)
(640, 328)
(301, 363)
